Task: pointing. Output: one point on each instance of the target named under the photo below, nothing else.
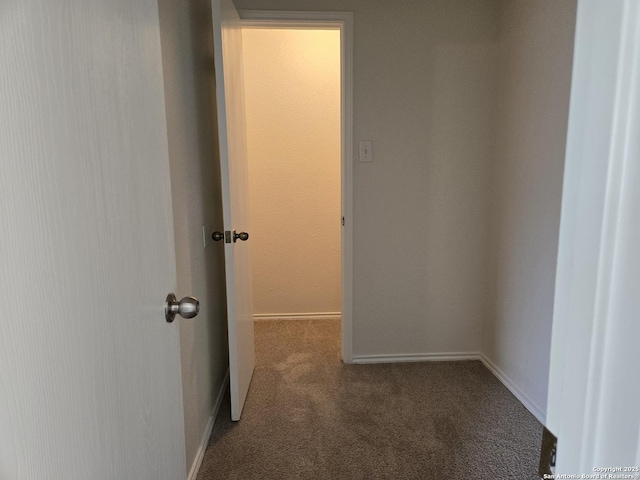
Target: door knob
(217, 236)
(244, 236)
(188, 307)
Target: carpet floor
(308, 416)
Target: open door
(89, 368)
(594, 391)
(227, 41)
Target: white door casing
(89, 369)
(593, 385)
(227, 41)
(342, 21)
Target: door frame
(342, 21)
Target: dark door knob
(244, 236)
(217, 236)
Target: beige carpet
(308, 416)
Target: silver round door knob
(188, 307)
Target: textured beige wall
(187, 52)
(423, 91)
(532, 105)
(292, 93)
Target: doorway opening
(297, 70)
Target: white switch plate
(365, 149)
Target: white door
(594, 391)
(89, 368)
(227, 41)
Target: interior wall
(456, 220)
(292, 95)
(187, 54)
(532, 104)
(423, 90)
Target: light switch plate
(365, 151)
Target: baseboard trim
(459, 356)
(417, 357)
(514, 389)
(195, 466)
(298, 316)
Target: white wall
(292, 95)
(534, 74)
(187, 52)
(456, 220)
(423, 88)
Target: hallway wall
(456, 220)
(292, 95)
(532, 107)
(187, 54)
(423, 91)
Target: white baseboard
(195, 466)
(298, 316)
(458, 356)
(513, 388)
(417, 357)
